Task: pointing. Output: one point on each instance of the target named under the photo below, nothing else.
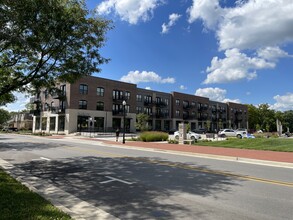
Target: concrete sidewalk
(256, 156)
(265, 157)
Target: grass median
(18, 202)
(272, 144)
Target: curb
(75, 207)
(209, 156)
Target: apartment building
(98, 104)
(157, 105)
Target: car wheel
(223, 135)
(176, 137)
(193, 138)
(239, 136)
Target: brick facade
(96, 104)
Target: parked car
(231, 133)
(200, 131)
(189, 135)
(227, 133)
(172, 131)
(9, 129)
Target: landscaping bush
(172, 141)
(150, 136)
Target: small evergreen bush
(150, 136)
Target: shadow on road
(25, 146)
(149, 189)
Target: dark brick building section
(97, 103)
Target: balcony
(161, 115)
(119, 98)
(35, 112)
(160, 104)
(117, 112)
(148, 103)
(186, 107)
(56, 110)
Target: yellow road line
(184, 166)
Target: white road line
(112, 179)
(45, 158)
(42, 158)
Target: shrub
(150, 136)
(172, 141)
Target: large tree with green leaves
(41, 41)
(4, 116)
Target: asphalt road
(130, 183)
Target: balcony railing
(117, 112)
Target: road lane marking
(188, 167)
(45, 158)
(41, 158)
(112, 179)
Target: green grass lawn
(273, 144)
(18, 202)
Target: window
(83, 89)
(127, 107)
(127, 95)
(193, 114)
(166, 112)
(100, 91)
(117, 95)
(177, 102)
(158, 100)
(82, 104)
(185, 104)
(148, 99)
(167, 102)
(148, 111)
(138, 109)
(100, 106)
(177, 114)
(138, 98)
(117, 109)
(193, 104)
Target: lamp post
(90, 125)
(124, 113)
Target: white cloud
(145, 76)
(272, 53)
(215, 94)
(209, 11)
(172, 21)
(131, 11)
(148, 88)
(284, 102)
(257, 25)
(182, 87)
(234, 67)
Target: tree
(288, 120)
(142, 122)
(4, 116)
(41, 41)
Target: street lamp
(124, 124)
(90, 125)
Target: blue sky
(227, 50)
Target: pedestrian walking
(117, 134)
